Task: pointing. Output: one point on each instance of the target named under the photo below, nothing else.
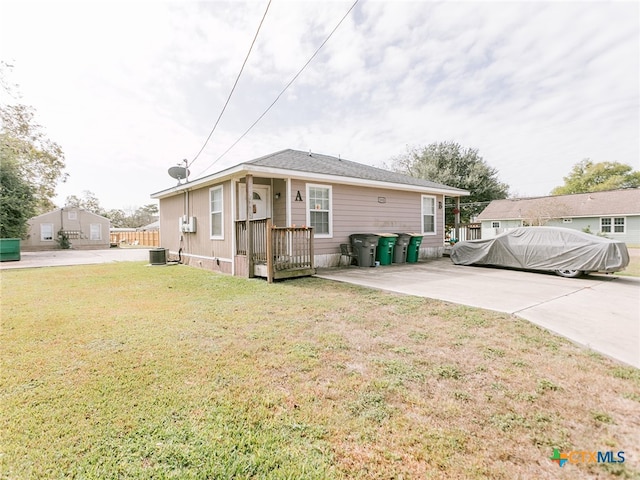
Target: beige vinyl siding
(279, 216)
(79, 222)
(362, 209)
(197, 244)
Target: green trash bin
(9, 249)
(413, 249)
(384, 254)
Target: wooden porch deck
(276, 252)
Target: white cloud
(129, 89)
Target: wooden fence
(467, 231)
(146, 239)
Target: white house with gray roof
(613, 213)
(204, 220)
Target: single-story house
(204, 220)
(83, 229)
(613, 213)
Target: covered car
(567, 252)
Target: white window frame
(495, 224)
(612, 225)
(330, 211)
(435, 220)
(72, 215)
(221, 212)
(93, 228)
(42, 239)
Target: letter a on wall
(298, 197)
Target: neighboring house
(205, 220)
(613, 213)
(152, 227)
(85, 230)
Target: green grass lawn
(129, 371)
(633, 269)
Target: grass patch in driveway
(123, 370)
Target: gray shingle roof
(324, 164)
(611, 202)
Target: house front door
(261, 202)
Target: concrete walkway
(601, 312)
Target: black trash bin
(364, 245)
(400, 248)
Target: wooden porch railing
(287, 252)
(259, 230)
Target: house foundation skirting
(337, 260)
(431, 252)
(222, 265)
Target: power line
(234, 86)
(284, 89)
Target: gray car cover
(544, 248)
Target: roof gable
(58, 211)
(594, 204)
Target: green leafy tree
(118, 218)
(17, 202)
(450, 164)
(134, 217)
(587, 176)
(88, 202)
(39, 161)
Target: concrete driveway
(56, 258)
(601, 312)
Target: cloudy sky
(129, 89)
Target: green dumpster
(413, 249)
(384, 254)
(9, 249)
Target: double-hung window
(95, 231)
(319, 210)
(216, 213)
(612, 225)
(428, 215)
(46, 232)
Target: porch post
(457, 219)
(249, 204)
(269, 252)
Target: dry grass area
(128, 371)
